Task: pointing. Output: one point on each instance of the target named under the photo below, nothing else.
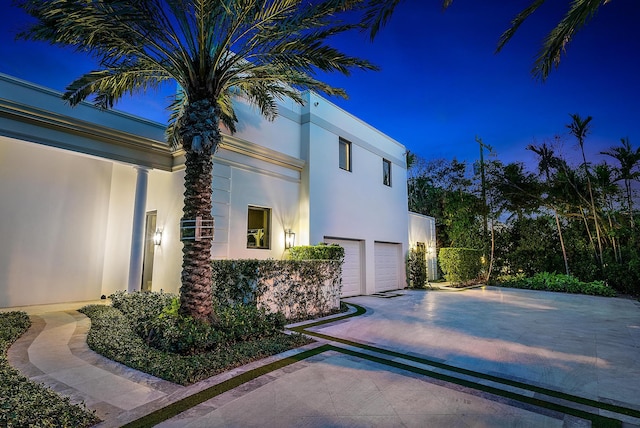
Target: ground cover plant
(556, 282)
(144, 331)
(21, 399)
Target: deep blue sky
(441, 83)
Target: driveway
(478, 358)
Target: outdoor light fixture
(157, 237)
(289, 239)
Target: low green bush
(112, 335)
(28, 404)
(460, 265)
(546, 281)
(417, 268)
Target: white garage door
(352, 267)
(387, 258)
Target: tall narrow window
(386, 172)
(344, 155)
(258, 228)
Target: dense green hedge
(460, 265)
(557, 282)
(317, 252)
(417, 268)
(27, 404)
(297, 288)
(112, 335)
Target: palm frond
(517, 22)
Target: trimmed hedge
(417, 268)
(546, 281)
(299, 289)
(28, 404)
(317, 252)
(460, 265)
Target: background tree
(261, 50)
(627, 171)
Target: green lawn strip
(360, 310)
(596, 420)
(193, 400)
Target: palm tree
(629, 160)
(579, 128)
(378, 13)
(261, 50)
(547, 161)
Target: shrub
(243, 322)
(317, 252)
(560, 282)
(460, 264)
(141, 308)
(111, 335)
(24, 403)
(417, 268)
(297, 288)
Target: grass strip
(186, 403)
(597, 421)
(552, 393)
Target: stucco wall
(422, 228)
(54, 215)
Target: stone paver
(578, 345)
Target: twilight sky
(441, 83)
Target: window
(386, 172)
(344, 155)
(258, 225)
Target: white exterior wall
(52, 224)
(422, 228)
(354, 204)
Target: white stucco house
(84, 191)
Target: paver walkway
(483, 357)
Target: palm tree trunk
(564, 250)
(200, 136)
(627, 184)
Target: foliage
(559, 282)
(460, 265)
(417, 268)
(111, 335)
(142, 308)
(21, 399)
(299, 289)
(317, 252)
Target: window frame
(347, 154)
(266, 229)
(386, 177)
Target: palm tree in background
(579, 128)
(547, 161)
(628, 170)
(261, 50)
(378, 13)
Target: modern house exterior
(84, 193)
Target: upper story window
(344, 155)
(258, 228)
(386, 172)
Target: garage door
(352, 267)
(387, 258)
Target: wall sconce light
(289, 239)
(157, 237)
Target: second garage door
(387, 259)
(352, 267)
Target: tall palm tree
(547, 161)
(378, 13)
(579, 128)
(261, 50)
(628, 171)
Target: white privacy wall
(53, 224)
(422, 228)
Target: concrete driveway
(478, 358)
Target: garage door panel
(387, 261)
(351, 269)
